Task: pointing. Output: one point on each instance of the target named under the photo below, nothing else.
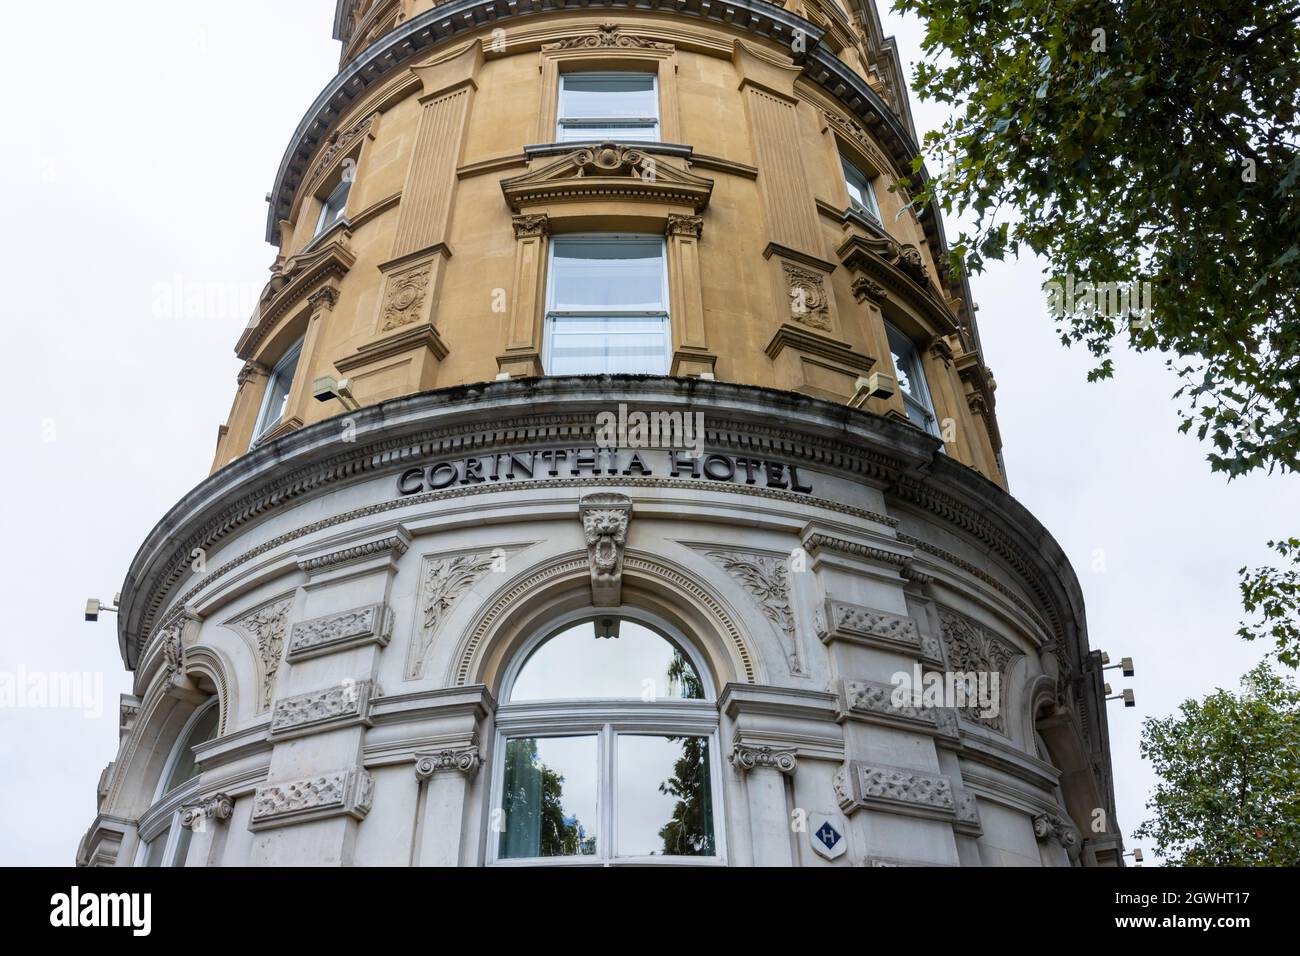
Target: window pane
(594, 133)
(154, 849)
(549, 798)
(862, 195)
(579, 664)
(664, 800)
(184, 769)
(332, 211)
(278, 389)
(608, 95)
(594, 275)
(626, 345)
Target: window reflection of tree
(534, 808)
(689, 832)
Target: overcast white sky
(139, 148)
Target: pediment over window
(608, 171)
(293, 281)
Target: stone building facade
(612, 446)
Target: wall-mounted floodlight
(95, 607)
(1137, 856)
(327, 388)
(1125, 663)
(1125, 695)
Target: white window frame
(566, 124)
(292, 356)
(664, 314)
(924, 403)
(864, 185)
(606, 719)
(164, 815)
(322, 224)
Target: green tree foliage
(1144, 141)
(1229, 767)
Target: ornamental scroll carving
(218, 808)
(605, 522)
(768, 582)
(1050, 826)
(745, 758)
(341, 793)
(809, 304)
(973, 649)
(405, 297)
(466, 760)
(445, 580)
(608, 36)
(266, 628)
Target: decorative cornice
(608, 170)
(607, 36)
(294, 281)
(832, 438)
(395, 545)
(745, 757)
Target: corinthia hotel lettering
(598, 463)
(420, 615)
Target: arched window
(607, 749)
(167, 846)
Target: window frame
(849, 170)
(607, 719)
(924, 404)
(163, 818)
(654, 124)
(550, 312)
(344, 184)
(262, 425)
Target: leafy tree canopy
(1229, 769)
(1144, 141)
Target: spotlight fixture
(1125, 664)
(327, 388)
(1137, 856)
(1125, 695)
(94, 607)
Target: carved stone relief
(372, 624)
(444, 580)
(266, 627)
(972, 648)
(344, 702)
(605, 522)
(746, 757)
(466, 760)
(809, 304)
(768, 582)
(405, 296)
(843, 621)
(341, 793)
